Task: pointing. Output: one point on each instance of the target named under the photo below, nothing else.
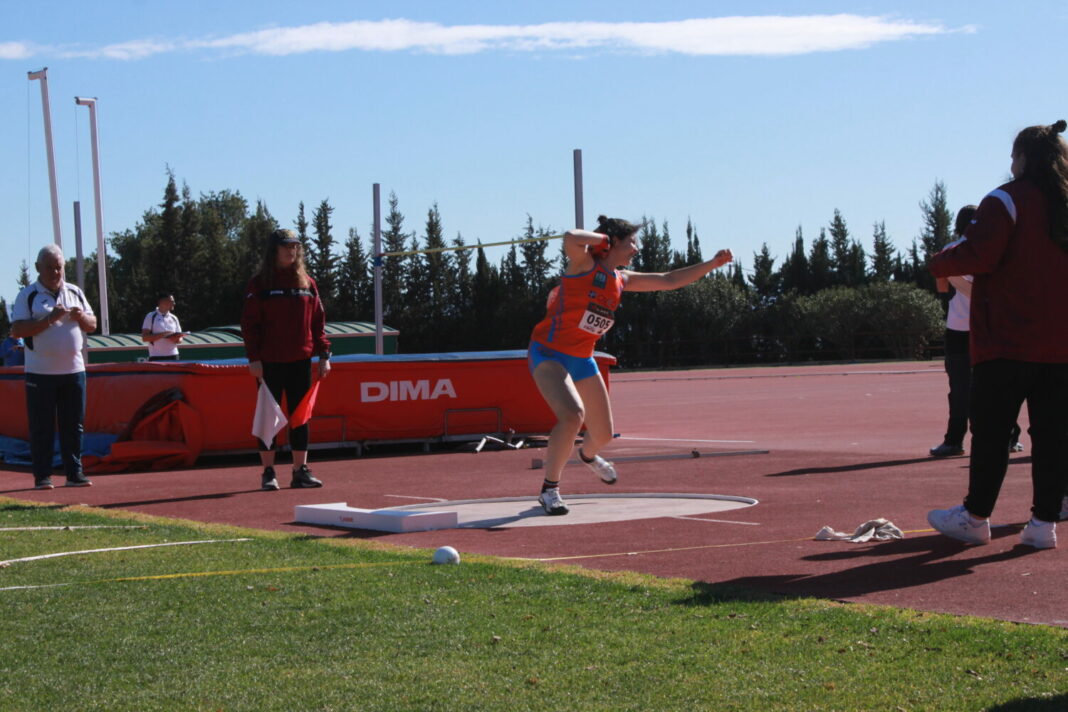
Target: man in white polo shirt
(161, 330)
(52, 317)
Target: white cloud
(758, 35)
(16, 50)
(134, 49)
(755, 35)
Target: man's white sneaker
(1041, 535)
(958, 524)
(552, 503)
(602, 467)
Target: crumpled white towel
(878, 529)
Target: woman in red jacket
(580, 310)
(283, 325)
(1017, 248)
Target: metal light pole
(42, 74)
(101, 251)
(377, 199)
(79, 260)
(578, 189)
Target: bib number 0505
(597, 319)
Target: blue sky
(750, 118)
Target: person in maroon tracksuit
(1017, 248)
(283, 324)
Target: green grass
(329, 625)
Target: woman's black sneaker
(302, 477)
(268, 480)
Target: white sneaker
(602, 467)
(1016, 447)
(1039, 534)
(958, 524)
(552, 503)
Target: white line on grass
(64, 528)
(117, 548)
(196, 574)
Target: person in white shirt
(53, 317)
(162, 331)
(958, 355)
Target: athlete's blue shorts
(579, 368)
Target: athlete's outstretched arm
(660, 281)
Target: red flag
(269, 418)
(303, 413)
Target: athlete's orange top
(580, 310)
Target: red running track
(847, 443)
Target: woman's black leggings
(294, 379)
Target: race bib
(597, 319)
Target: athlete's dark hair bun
(1059, 126)
(615, 228)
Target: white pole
(79, 260)
(101, 250)
(42, 74)
(377, 199)
(579, 217)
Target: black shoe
(302, 477)
(42, 483)
(947, 450)
(79, 480)
(268, 482)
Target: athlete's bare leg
(594, 396)
(560, 393)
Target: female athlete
(579, 311)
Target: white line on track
(424, 499)
(682, 440)
(720, 521)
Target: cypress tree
(301, 223)
(764, 280)
(937, 231)
(821, 268)
(841, 250)
(5, 318)
(394, 269)
(693, 244)
(486, 300)
(464, 331)
(535, 266)
(882, 259)
(355, 286)
(937, 221)
(437, 284)
(322, 262)
(794, 274)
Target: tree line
(831, 299)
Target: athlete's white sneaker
(602, 467)
(552, 503)
(958, 524)
(1041, 535)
